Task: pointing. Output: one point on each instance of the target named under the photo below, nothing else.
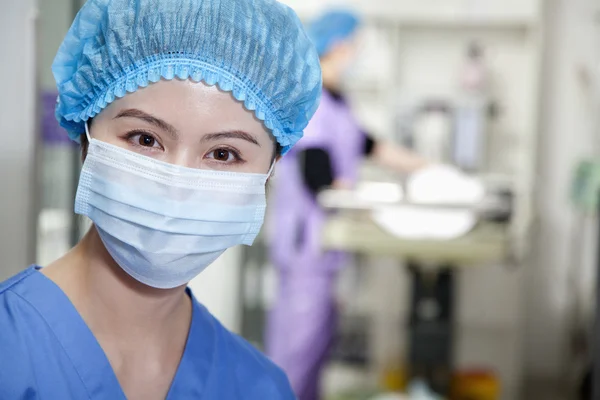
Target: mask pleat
(164, 224)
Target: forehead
(187, 104)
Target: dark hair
(277, 151)
(83, 140)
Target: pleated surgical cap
(331, 27)
(255, 49)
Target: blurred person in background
(302, 323)
(182, 108)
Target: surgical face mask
(164, 224)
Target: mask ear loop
(87, 132)
(270, 173)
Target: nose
(185, 157)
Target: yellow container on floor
(394, 379)
(475, 385)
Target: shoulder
(259, 376)
(12, 303)
(20, 318)
(15, 338)
(16, 280)
(14, 310)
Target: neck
(114, 303)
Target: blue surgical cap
(330, 28)
(255, 49)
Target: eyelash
(236, 155)
(129, 136)
(132, 134)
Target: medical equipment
(447, 130)
(495, 203)
(426, 127)
(364, 224)
(452, 129)
(469, 144)
(470, 135)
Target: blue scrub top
(48, 352)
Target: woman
(182, 107)
(302, 323)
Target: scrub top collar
(90, 361)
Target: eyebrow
(231, 135)
(170, 129)
(157, 122)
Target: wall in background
(18, 129)
(569, 132)
(56, 154)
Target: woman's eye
(225, 155)
(222, 155)
(143, 140)
(146, 141)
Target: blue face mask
(164, 224)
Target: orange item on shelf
(475, 385)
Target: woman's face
(188, 124)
